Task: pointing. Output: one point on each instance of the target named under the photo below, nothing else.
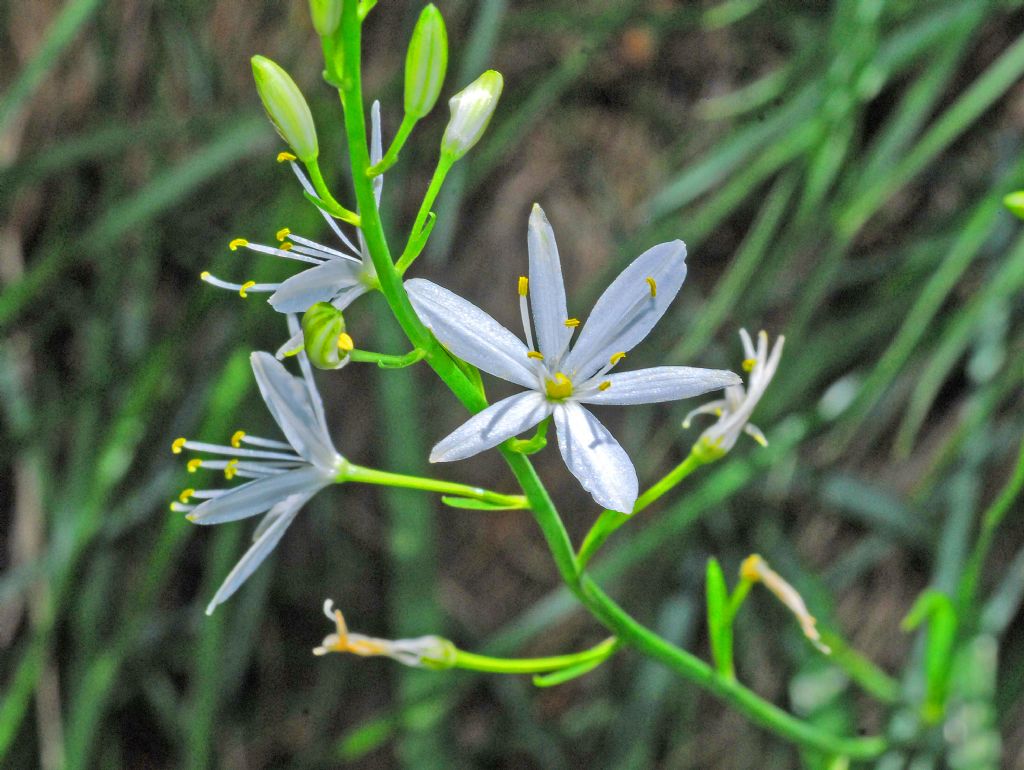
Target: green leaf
(719, 619)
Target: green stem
(327, 200)
(391, 156)
(473, 662)
(387, 361)
(387, 479)
(609, 520)
(444, 165)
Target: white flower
(422, 652)
(335, 276)
(282, 476)
(560, 379)
(735, 409)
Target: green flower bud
(324, 337)
(286, 107)
(1015, 203)
(426, 63)
(472, 108)
(326, 15)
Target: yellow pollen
(283, 233)
(749, 364)
(178, 445)
(345, 343)
(718, 413)
(231, 468)
(535, 354)
(558, 388)
(286, 246)
(237, 242)
(572, 323)
(194, 465)
(204, 275)
(243, 292)
(604, 385)
(236, 438)
(524, 285)
(186, 494)
(750, 568)
(616, 358)
(283, 156)
(653, 284)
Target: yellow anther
(283, 233)
(524, 285)
(558, 388)
(204, 275)
(345, 343)
(186, 494)
(178, 445)
(283, 156)
(604, 385)
(236, 438)
(231, 468)
(653, 284)
(194, 465)
(750, 568)
(616, 358)
(237, 242)
(718, 413)
(243, 292)
(572, 323)
(535, 354)
(749, 364)
(286, 246)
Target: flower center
(559, 388)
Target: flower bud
(286, 107)
(1015, 203)
(326, 15)
(472, 108)
(426, 63)
(324, 338)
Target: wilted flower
(735, 409)
(283, 476)
(561, 379)
(756, 570)
(422, 652)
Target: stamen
(524, 312)
(256, 454)
(285, 156)
(236, 243)
(559, 388)
(616, 358)
(572, 323)
(178, 445)
(283, 233)
(180, 508)
(236, 438)
(231, 468)
(346, 343)
(221, 284)
(244, 289)
(537, 355)
(194, 465)
(653, 284)
(524, 285)
(749, 364)
(186, 494)
(287, 246)
(604, 385)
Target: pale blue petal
(471, 334)
(493, 425)
(662, 383)
(317, 284)
(595, 458)
(255, 497)
(547, 291)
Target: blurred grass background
(836, 171)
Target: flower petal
(260, 495)
(259, 550)
(376, 149)
(470, 333)
(289, 403)
(662, 383)
(317, 284)
(595, 458)
(629, 308)
(547, 290)
(493, 425)
(348, 295)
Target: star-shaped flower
(562, 377)
(283, 476)
(735, 409)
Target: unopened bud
(326, 15)
(472, 108)
(286, 107)
(324, 338)
(1015, 203)
(426, 63)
